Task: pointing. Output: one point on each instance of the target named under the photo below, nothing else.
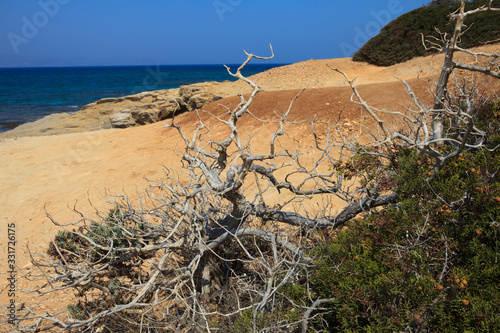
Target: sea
(28, 94)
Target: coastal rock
(185, 92)
(171, 106)
(195, 96)
(189, 98)
(145, 114)
(198, 101)
(122, 119)
(121, 112)
(148, 113)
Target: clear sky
(164, 32)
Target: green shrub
(245, 322)
(117, 230)
(77, 312)
(114, 229)
(430, 263)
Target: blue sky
(164, 32)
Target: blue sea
(28, 94)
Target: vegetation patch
(429, 263)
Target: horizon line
(163, 65)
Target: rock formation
(120, 112)
(189, 98)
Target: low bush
(429, 263)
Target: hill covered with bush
(401, 39)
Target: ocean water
(28, 94)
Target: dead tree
(451, 119)
(216, 241)
(450, 45)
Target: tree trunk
(449, 65)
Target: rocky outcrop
(147, 113)
(195, 96)
(189, 98)
(120, 112)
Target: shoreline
(38, 92)
(98, 115)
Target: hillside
(401, 39)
